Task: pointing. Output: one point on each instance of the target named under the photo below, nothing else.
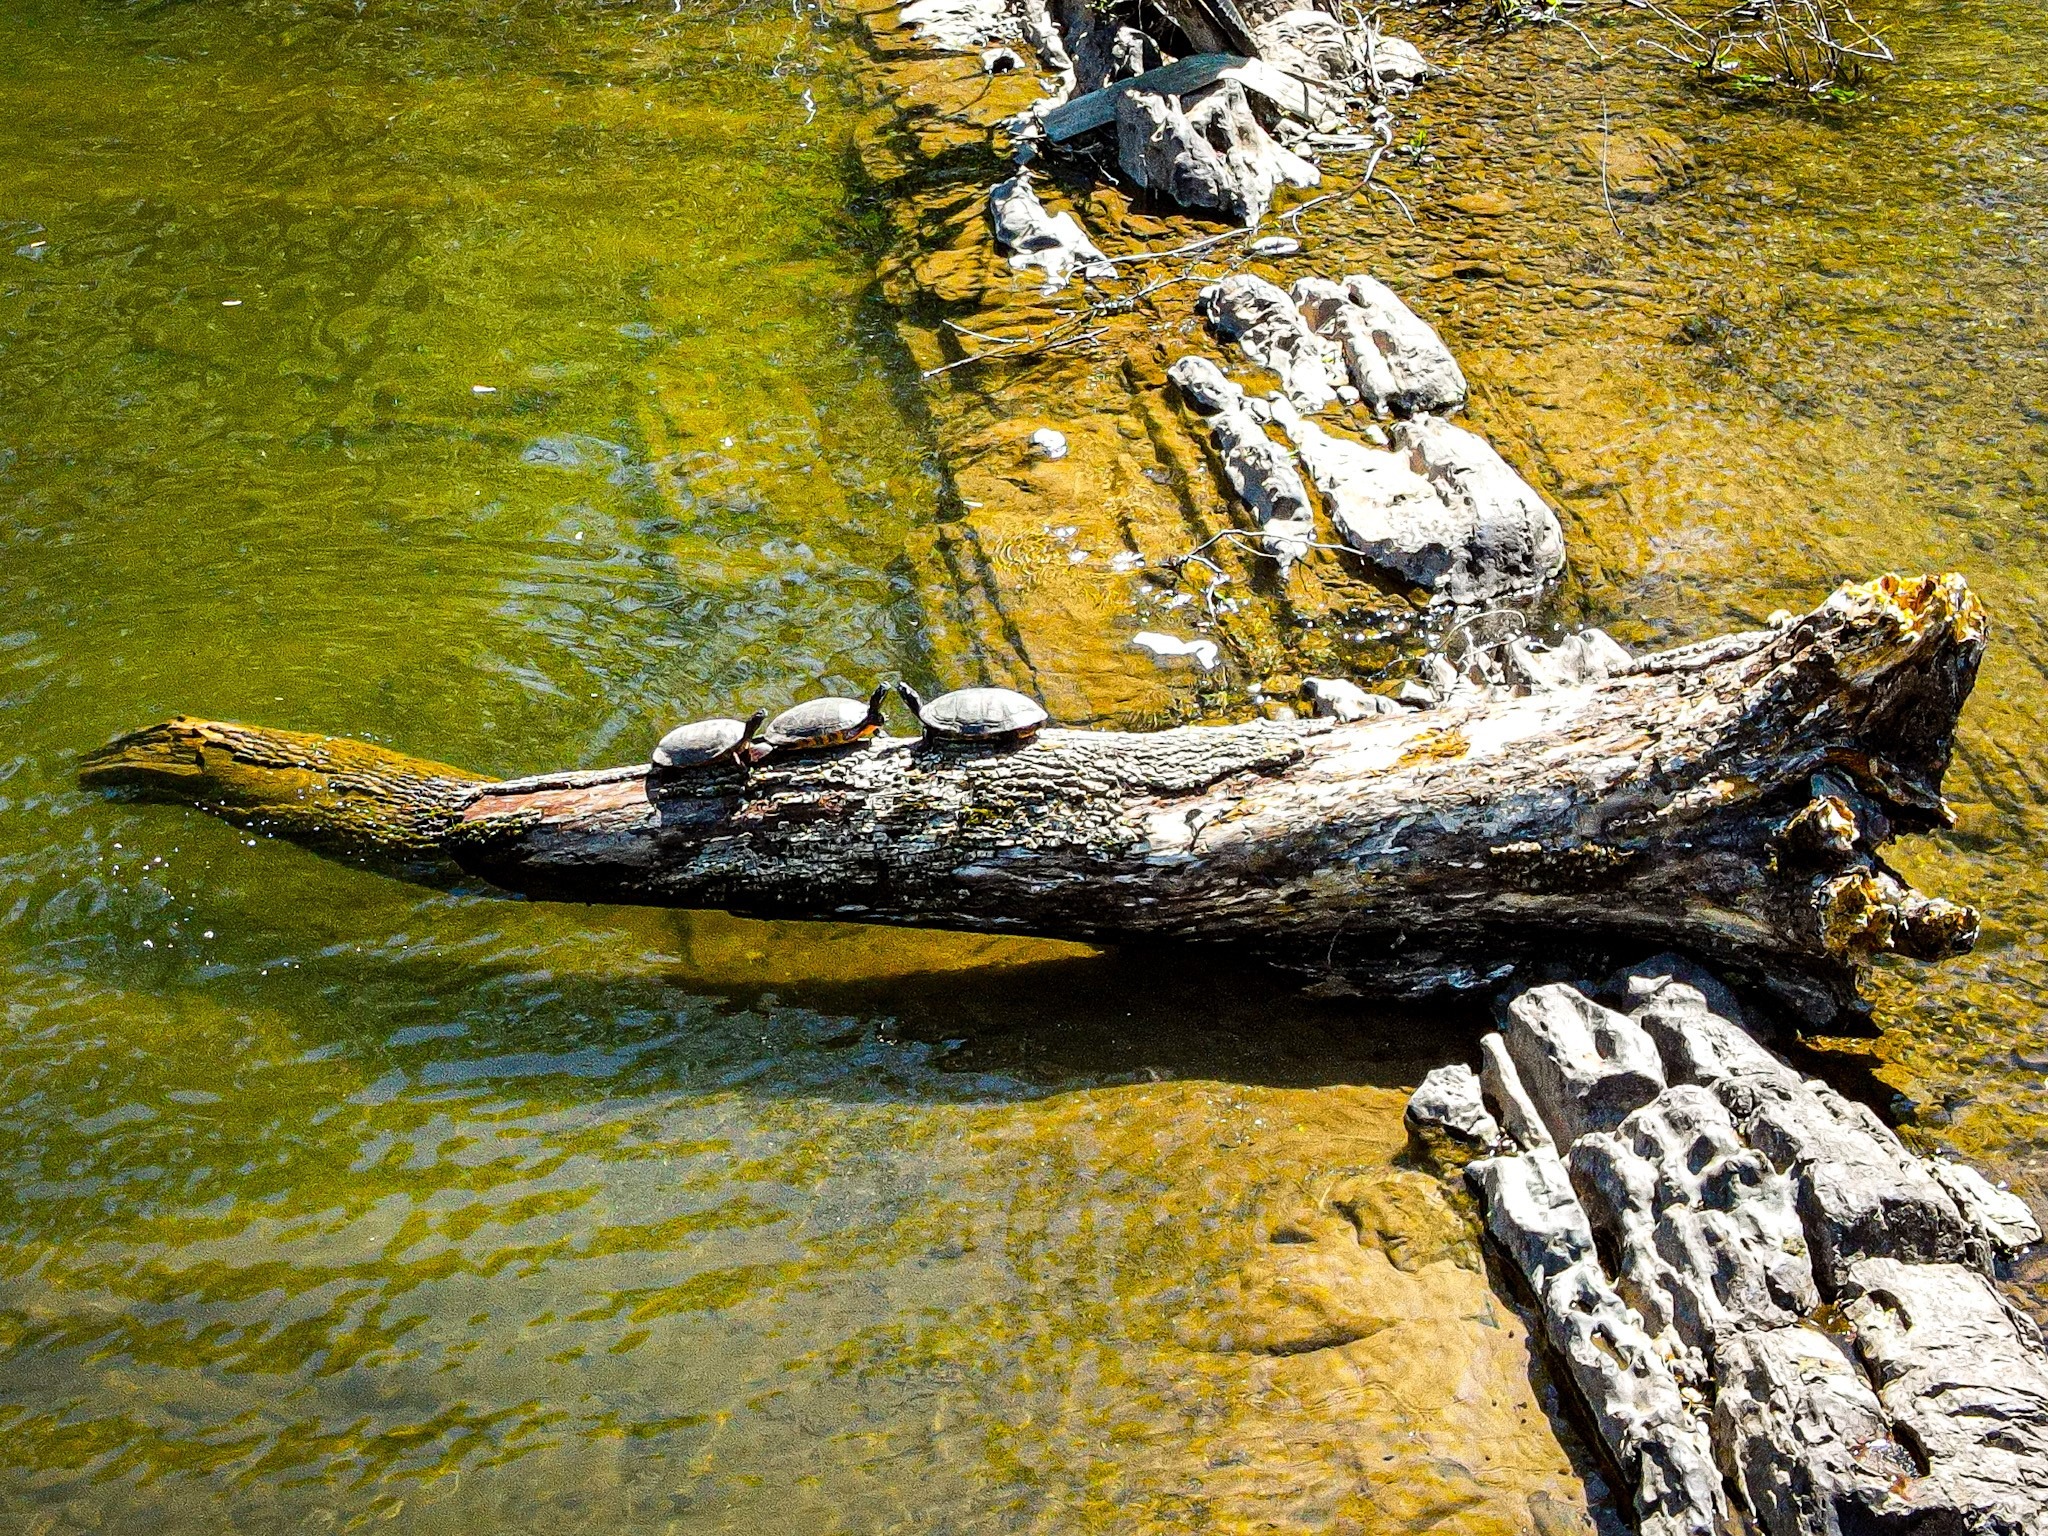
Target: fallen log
(1729, 798)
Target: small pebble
(1048, 444)
(1274, 245)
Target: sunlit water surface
(499, 381)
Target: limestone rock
(1398, 67)
(1587, 1067)
(1660, 1445)
(1447, 1116)
(1708, 1241)
(1260, 471)
(1801, 1436)
(2000, 1217)
(1696, 1040)
(1635, 1401)
(1533, 1214)
(1578, 661)
(1515, 543)
(957, 26)
(1309, 45)
(1054, 243)
(1205, 150)
(1264, 323)
(1964, 1383)
(1396, 360)
(1502, 1086)
(1335, 698)
(1428, 376)
(1860, 1193)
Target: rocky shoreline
(1764, 1301)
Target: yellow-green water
(502, 382)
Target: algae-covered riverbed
(504, 382)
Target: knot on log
(1873, 681)
(1869, 912)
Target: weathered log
(1413, 852)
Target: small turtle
(703, 743)
(825, 723)
(976, 714)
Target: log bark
(1673, 806)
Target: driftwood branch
(1730, 798)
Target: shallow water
(1823, 357)
(500, 381)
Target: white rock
(1054, 243)
(1336, 698)
(1264, 323)
(1961, 1378)
(1513, 542)
(2003, 1218)
(1587, 1067)
(1049, 444)
(1165, 647)
(1447, 1112)
(1802, 1437)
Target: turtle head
(754, 722)
(875, 702)
(911, 697)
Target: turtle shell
(980, 713)
(827, 722)
(702, 741)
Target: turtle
(704, 743)
(993, 715)
(825, 722)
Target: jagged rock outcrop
(1205, 150)
(1964, 1381)
(1260, 471)
(1706, 1198)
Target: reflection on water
(498, 381)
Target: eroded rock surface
(1515, 538)
(1267, 328)
(1678, 1249)
(1205, 150)
(1396, 359)
(1260, 471)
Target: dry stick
(1605, 197)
